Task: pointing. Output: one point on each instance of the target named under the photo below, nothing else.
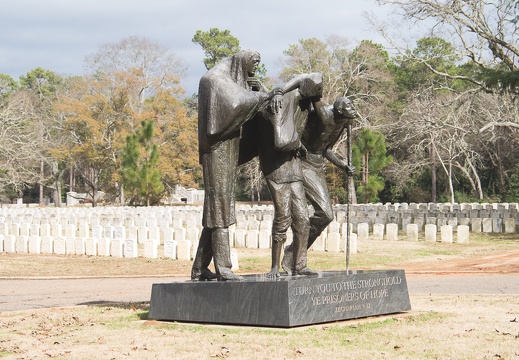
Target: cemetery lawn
(438, 327)
(487, 253)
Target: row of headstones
(477, 225)
(94, 247)
(438, 214)
(179, 243)
(390, 232)
(432, 207)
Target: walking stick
(348, 205)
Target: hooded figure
(228, 97)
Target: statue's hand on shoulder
(275, 92)
(276, 103)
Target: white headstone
(70, 230)
(170, 249)
(234, 260)
(179, 234)
(103, 247)
(70, 245)
(91, 246)
(108, 232)
(430, 232)
(446, 233)
(14, 229)
(334, 226)
(84, 230)
(120, 233)
(142, 234)
(4, 228)
(116, 248)
(131, 249)
(392, 232)
(167, 233)
(251, 239)
(150, 249)
(59, 245)
(34, 244)
(319, 244)
(45, 230)
(333, 242)
(363, 231)
(412, 232)
(378, 231)
(184, 250)
(56, 230)
(239, 237)
(192, 234)
(47, 244)
(487, 225)
(22, 244)
(97, 232)
(34, 230)
(25, 229)
(154, 234)
(354, 244)
(463, 234)
(80, 246)
(509, 225)
(9, 243)
(264, 239)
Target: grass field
(438, 327)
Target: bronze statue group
(292, 133)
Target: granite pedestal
(288, 301)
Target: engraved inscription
(357, 293)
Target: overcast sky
(57, 34)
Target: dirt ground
(505, 263)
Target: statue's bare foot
(306, 271)
(228, 275)
(274, 272)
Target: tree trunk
(433, 174)
(42, 169)
(121, 191)
(71, 179)
(451, 186)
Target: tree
(369, 155)
(127, 84)
(486, 31)
(45, 86)
(136, 69)
(177, 137)
(7, 86)
(217, 44)
(140, 175)
(19, 143)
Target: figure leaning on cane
(322, 131)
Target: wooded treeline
(438, 120)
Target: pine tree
(369, 155)
(140, 174)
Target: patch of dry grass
(440, 327)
